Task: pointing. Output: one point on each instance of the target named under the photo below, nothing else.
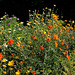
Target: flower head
(55, 17)
(10, 63)
(34, 72)
(42, 19)
(4, 72)
(68, 57)
(10, 41)
(49, 26)
(56, 44)
(62, 43)
(1, 56)
(48, 39)
(55, 36)
(4, 60)
(9, 23)
(5, 44)
(67, 46)
(18, 73)
(72, 37)
(41, 48)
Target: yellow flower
(27, 71)
(71, 28)
(41, 70)
(17, 57)
(35, 10)
(17, 24)
(5, 44)
(54, 5)
(34, 23)
(46, 8)
(9, 31)
(18, 38)
(18, 73)
(4, 65)
(72, 21)
(43, 13)
(65, 20)
(69, 20)
(4, 72)
(49, 9)
(11, 63)
(29, 10)
(1, 18)
(4, 60)
(19, 29)
(68, 24)
(21, 22)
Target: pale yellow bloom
(54, 5)
(1, 18)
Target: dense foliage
(43, 47)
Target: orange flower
(55, 17)
(48, 39)
(33, 37)
(59, 48)
(62, 43)
(42, 19)
(12, 55)
(68, 57)
(72, 37)
(10, 41)
(67, 30)
(63, 28)
(18, 43)
(41, 54)
(11, 69)
(20, 70)
(64, 53)
(67, 46)
(1, 56)
(49, 26)
(56, 44)
(67, 34)
(22, 46)
(55, 36)
(41, 48)
(30, 68)
(34, 72)
(57, 21)
(65, 20)
(55, 25)
(49, 33)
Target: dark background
(20, 7)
